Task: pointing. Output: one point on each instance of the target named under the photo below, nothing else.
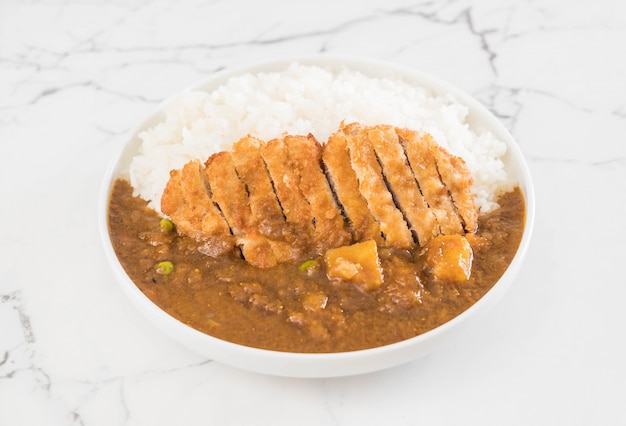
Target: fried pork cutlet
(232, 198)
(402, 184)
(422, 161)
(345, 184)
(263, 202)
(267, 215)
(374, 189)
(305, 154)
(458, 180)
(293, 198)
(187, 201)
(285, 181)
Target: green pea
(166, 225)
(307, 264)
(165, 268)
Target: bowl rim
(336, 364)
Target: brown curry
(294, 306)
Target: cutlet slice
(230, 195)
(187, 201)
(285, 181)
(305, 154)
(402, 184)
(374, 189)
(458, 180)
(267, 215)
(345, 184)
(422, 161)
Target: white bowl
(325, 364)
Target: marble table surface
(76, 77)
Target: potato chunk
(315, 301)
(357, 263)
(449, 258)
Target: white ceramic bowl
(332, 364)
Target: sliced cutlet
(417, 147)
(230, 195)
(285, 181)
(267, 214)
(345, 184)
(373, 188)
(173, 204)
(402, 184)
(457, 178)
(187, 201)
(305, 154)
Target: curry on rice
(369, 238)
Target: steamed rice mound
(308, 99)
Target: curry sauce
(294, 306)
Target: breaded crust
(267, 215)
(458, 180)
(345, 184)
(285, 181)
(230, 195)
(187, 201)
(402, 183)
(266, 211)
(374, 189)
(305, 154)
(293, 198)
(418, 152)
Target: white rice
(308, 99)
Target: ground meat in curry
(289, 307)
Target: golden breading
(418, 151)
(402, 184)
(285, 181)
(458, 180)
(305, 154)
(230, 195)
(188, 203)
(345, 184)
(267, 216)
(373, 187)
(294, 198)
